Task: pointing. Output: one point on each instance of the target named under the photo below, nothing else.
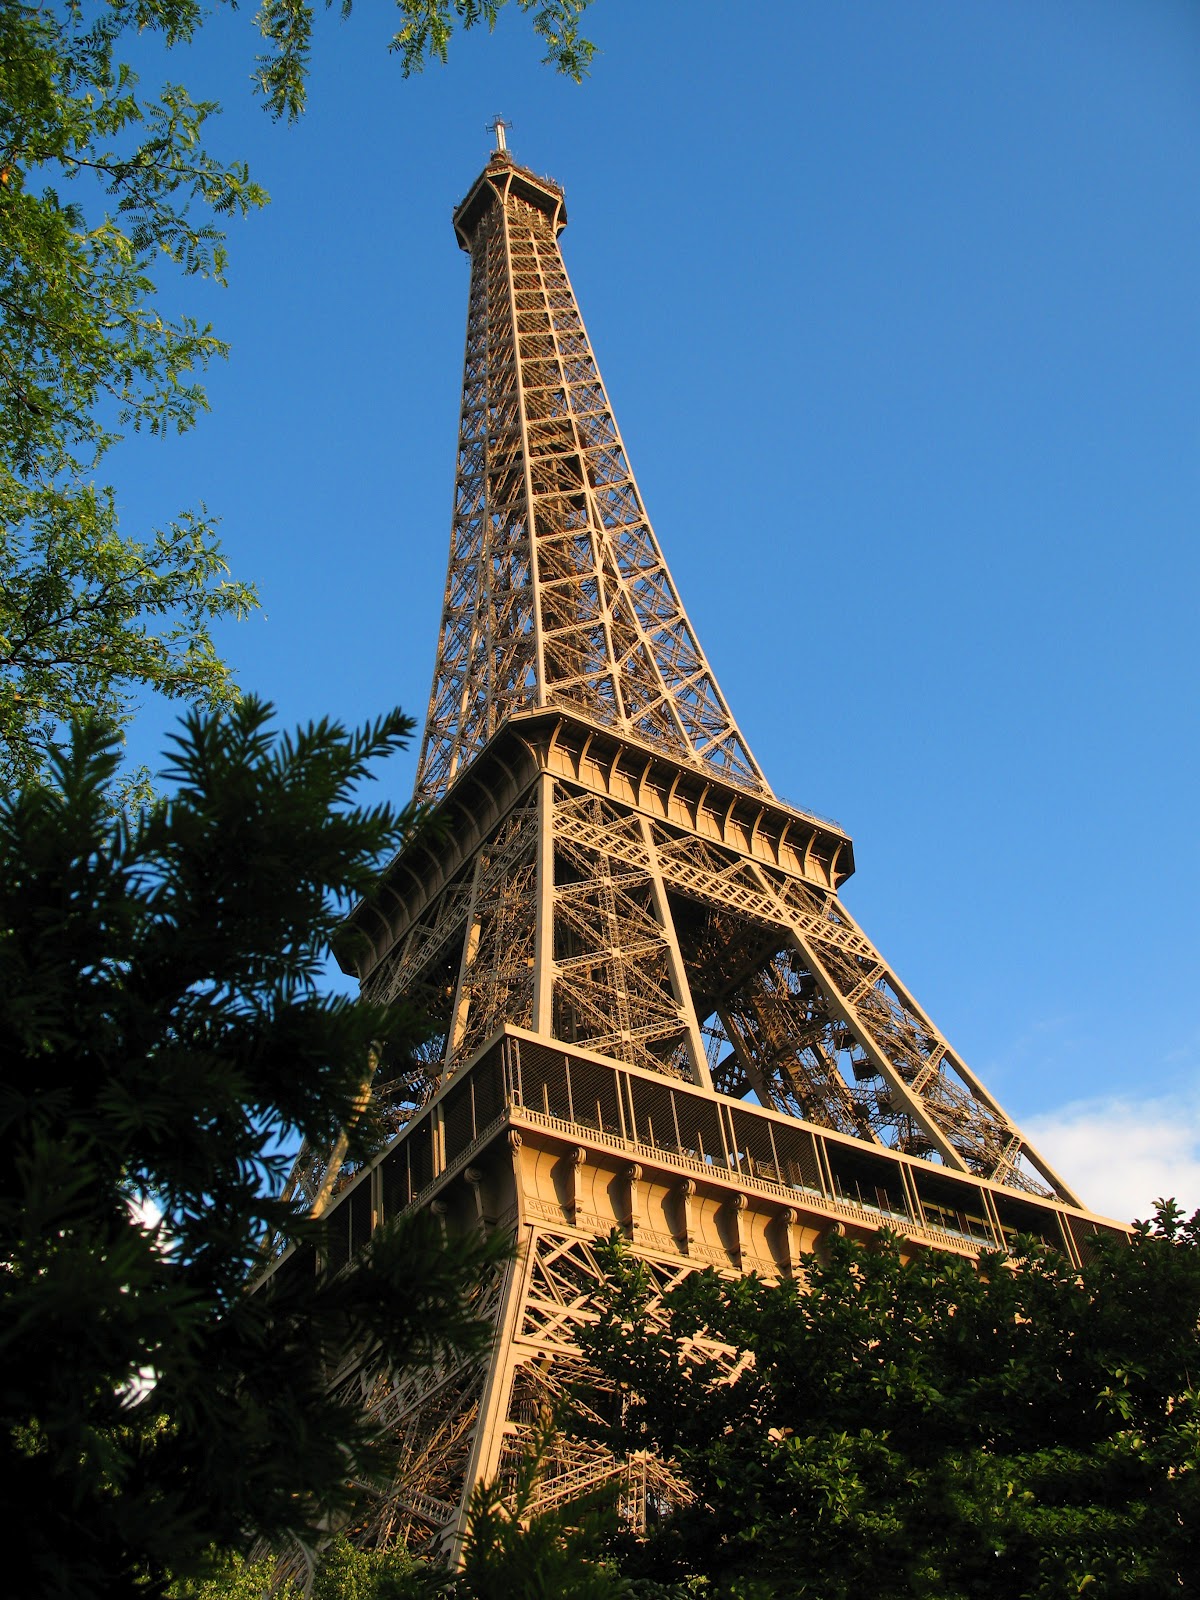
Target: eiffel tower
(655, 1013)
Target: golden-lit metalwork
(557, 593)
(654, 1011)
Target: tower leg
(487, 1445)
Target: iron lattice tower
(655, 1011)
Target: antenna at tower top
(499, 127)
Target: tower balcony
(502, 176)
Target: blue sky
(896, 304)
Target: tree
(425, 31)
(341, 1572)
(86, 616)
(166, 1037)
(923, 1427)
(513, 1553)
(90, 617)
(102, 189)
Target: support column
(483, 1463)
(679, 980)
(462, 996)
(543, 943)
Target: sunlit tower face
(651, 1010)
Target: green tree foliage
(341, 1571)
(424, 33)
(100, 188)
(232, 1577)
(163, 1028)
(922, 1428)
(108, 194)
(90, 616)
(346, 1573)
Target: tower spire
(498, 126)
(557, 593)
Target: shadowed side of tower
(653, 1011)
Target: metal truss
(429, 1415)
(451, 1426)
(581, 915)
(557, 593)
(558, 1144)
(616, 977)
(612, 878)
(495, 980)
(589, 922)
(538, 1378)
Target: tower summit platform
(501, 177)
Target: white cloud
(1121, 1155)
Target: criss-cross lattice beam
(904, 1073)
(556, 592)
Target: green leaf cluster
(110, 195)
(919, 1427)
(341, 1571)
(101, 188)
(100, 184)
(428, 25)
(167, 1039)
(424, 34)
(512, 1552)
(88, 613)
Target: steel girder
(556, 591)
(669, 951)
(615, 878)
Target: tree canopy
(100, 188)
(512, 1552)
(166, 1038)
(920, 1427)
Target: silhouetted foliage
(166, 1038)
